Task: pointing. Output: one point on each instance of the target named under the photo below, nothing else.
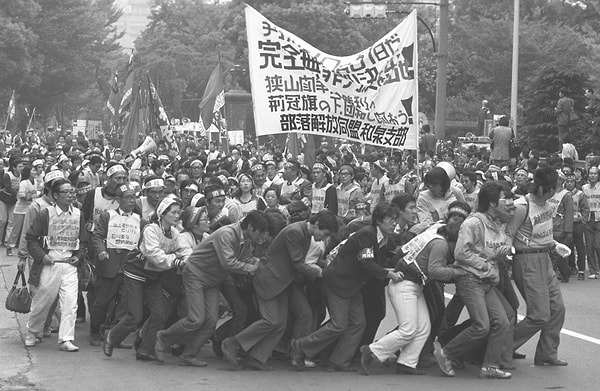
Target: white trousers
(412, 315)
(57, 279)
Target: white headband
(115, 169)
(164, 205)
(52, 175)
(154, 183)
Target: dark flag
(157, 116)
(127, 97)
(212, 101)
(113, 99)
(134, 121)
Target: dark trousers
(561, 264)
(201, 319)
(489, 321)
(106, 292)
(577, 262)
(537, 282)
(373, 294)
(260, 338)
(139, 293)
(434, 297)
(242, 302)
(344, 331)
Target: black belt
(534, 250)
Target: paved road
(44, 367)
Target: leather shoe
(297, 354)
(250, 362)
(553, 362)
(95, 339)
(124, 346)
(340, 368)
(519, 356)
(216, 347)
(107, 347)
(159, 347)
(366, 358)
(144, 357)
(231, 348)
(192, 362)
(405, 369)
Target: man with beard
(482, 243)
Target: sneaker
(494, 373)
(30, 339)
(308, 363)
(68, 346)
(443, 362)
(593, 276)
(581, 276)
(9, 252)
(47, 332)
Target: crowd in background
(301, 255)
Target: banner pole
(30, 119)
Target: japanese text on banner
(370, 97)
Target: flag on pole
(127, 98)
(113, 99)
(213, 100)
(157, 116)
(132, 126)
(12, 107)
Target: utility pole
(442, 60)
(515, 68)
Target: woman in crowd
(159, 251)
(8, 199)
(245, 196)
(27, 193)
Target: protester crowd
(266, 257)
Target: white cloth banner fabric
(370, 97)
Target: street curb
(17, 363)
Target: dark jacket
(284, 261)
(358, 260)
(35, 239)
(110, 267)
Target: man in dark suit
(360, 258)
(116, 232)
(283, 263)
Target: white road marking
(570, 333)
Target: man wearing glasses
(56, 241)
(116, 232)
(196, 171)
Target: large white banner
(370, 97)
